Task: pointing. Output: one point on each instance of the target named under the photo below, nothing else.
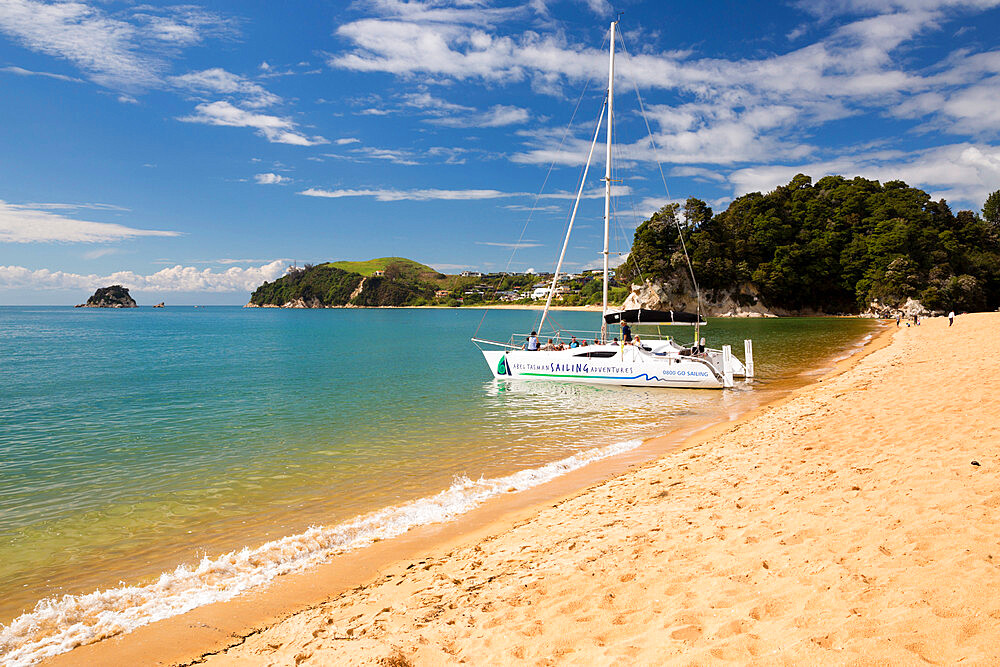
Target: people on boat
(532, 344)
(549, 346)
(574, 343)
(626, 333)
(636, 341)
(701, 346)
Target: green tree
(991, 210)
(834, 245)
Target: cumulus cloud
(964, 174)
(274, 128)
(732, 111)
(23, 224)
(173, 279)
(271, 179)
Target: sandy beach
(849, 523)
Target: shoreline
(207, 629)
(850, 523)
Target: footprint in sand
(688, 633)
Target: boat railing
(498, 343)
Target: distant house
(471, 274)
(442, 293)
(378, 273)
(540, 292)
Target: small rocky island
(114, 296)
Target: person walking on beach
(951, 317)
(897, 319)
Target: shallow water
(132, 441)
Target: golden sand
(847, 524)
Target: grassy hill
(407, 268)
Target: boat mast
(607, 178)
(572, 219)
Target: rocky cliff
(114, 296)
(744, 301)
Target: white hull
(625, 366)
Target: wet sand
(845, 524)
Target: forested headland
(383, 282)
(837, 246)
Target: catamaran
(643, 361)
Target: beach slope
(852, 523)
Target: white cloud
(51, 206)
(274, 128)
(498, 115)
(537, 209)
(347, 140)
(22, 224)
(738, 111)
(173, 279)
(218, 80)
(412, 195)
(20, 71)
(964, 174)
(271, 179)
(429, 102)
(245, 261)
(386, 194)
(436, 11)
(512, 246)
(830, 8)
(124, 50)
(99, 252)
(389, 155)
(104, 47)
(448, 114)
(698, 173)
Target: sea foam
(57, 625)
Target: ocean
(153, 460)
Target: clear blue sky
(192, 151)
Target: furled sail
(647, 316)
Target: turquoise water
(135, 440)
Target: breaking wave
(57, 625)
